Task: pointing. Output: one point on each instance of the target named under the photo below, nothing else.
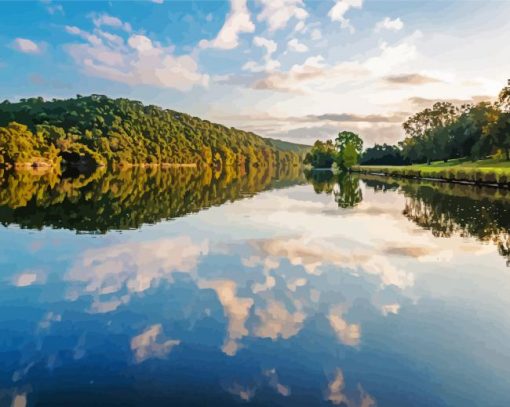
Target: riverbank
(494, 173)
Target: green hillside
(97, 129)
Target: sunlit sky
(292, 69)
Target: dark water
(170, 288)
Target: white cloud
(27, 46)
(296, 46)
(238, 21)
(93, 39)
(25, 279)
(55, 8)
(140, 62)
(269, 63)
(389, 24)
(110, 21)
(341, 7)
(316, 34)
(300, 26)
(158, 1)
(316, 74)
(277, 13)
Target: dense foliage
(345, 152)
(444, 131)
(322, 155)
(121, 131)
(383, 155)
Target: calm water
(176, 288)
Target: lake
(176, 287)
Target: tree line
(98, 130)
(445, 131)
(438, 133)
(344, 152)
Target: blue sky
(293, 69)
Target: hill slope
(124, 131)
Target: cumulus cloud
(296, 46)
(25, 279)
(341, 7)
(27, 46)
(315, 74)
(139, 62)
(316, 34)
(410, 79)
(277, 13)
(110, 21)
(388, 24)
(268, 64)
(238, 21)
(300, 27)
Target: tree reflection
(455, 210)
(345, 187)
(129, 198)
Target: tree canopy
(122, 131)
(345, 151)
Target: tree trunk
(507, 152)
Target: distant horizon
(293, 70)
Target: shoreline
(487, 177)
(45, 167)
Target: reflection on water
(315, 294)
(452, 209)
(344, 187)
(129, 198)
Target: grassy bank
(483, 172)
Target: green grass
(488, 171)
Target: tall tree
(349, 148)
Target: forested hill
(121, 131)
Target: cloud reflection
(236, 309)
(146, 346)
(336, 393)
(133, 268)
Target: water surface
(183, 288)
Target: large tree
(428, 131)
(349, 148)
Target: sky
(298, 70)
